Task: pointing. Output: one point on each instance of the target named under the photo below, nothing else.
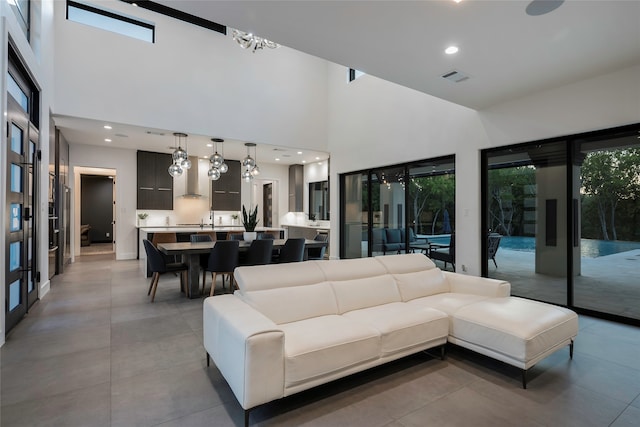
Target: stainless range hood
(193, 190)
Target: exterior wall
(373, 123)
(191, 79)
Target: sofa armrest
(464, 284)
(247, 348)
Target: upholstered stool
(517, 331)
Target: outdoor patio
(610, 283)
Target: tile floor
(95, 352)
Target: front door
(21, 189)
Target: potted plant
(312, 219)
(249, 221)
(142, 218)
(234, 219)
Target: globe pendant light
(218, 166)
(180, 157)
(249, 163)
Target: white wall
(124, 163)
(275, 97)
(375, 123)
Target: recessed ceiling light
(451, 50)
(299, 152)
(107, 127)
(277, 159)
(319, 163)
(457, 1)
(304, 161)
(107, 140)
(209, 145)
(317, 158)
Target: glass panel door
(355, 203)
(388, 208)
(607, 184)
(431, 198)
(16, 259)
(526, 239)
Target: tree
(435, 194)
(508, 188)
(609, 177)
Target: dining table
(191, 251)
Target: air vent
(151, 132)
(455, 76)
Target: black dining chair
(204, 258)
(235, 235)
(292, 251)
(259, 253)
(158, 266)
(318, 253)
(223, 259)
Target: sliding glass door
(398, 209)
(562, 221)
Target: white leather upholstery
(321, 345)
(303, 302)
(366, 292)
(294, 326)
(420, 284)
(519, 328)
(402, 327)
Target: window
(22, 12)
(110, 21)
(354, 74)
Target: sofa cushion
(421, 284)
(261, 277)
(403, 326)
(448, 302)
(405, 263)
(519, 328)
(368, 292)
(284, 305)
(394, 235)
(325, 345)
(345, 269)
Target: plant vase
(250, 236)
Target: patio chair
(445, 254)
(493, 244)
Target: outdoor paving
(610, 283)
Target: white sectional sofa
(294, 326)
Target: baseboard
(44, 288)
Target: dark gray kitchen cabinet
(226, 192)
(155, 185)
(296, 185)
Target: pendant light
(180, 157)
(216, 161)
(249, 164)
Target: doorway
(95, 211)
(22, 190)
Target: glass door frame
(572, 212)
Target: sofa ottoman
(516, 331)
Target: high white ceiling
(506, 53)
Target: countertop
(314, 227)
(194, 229)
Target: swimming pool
(589, 248)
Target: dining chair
(165, 238)
(223, 259)
(318, 253)
(158, 266)
(266, 236)
(204, 258)
(292, 251)
(259, 253)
